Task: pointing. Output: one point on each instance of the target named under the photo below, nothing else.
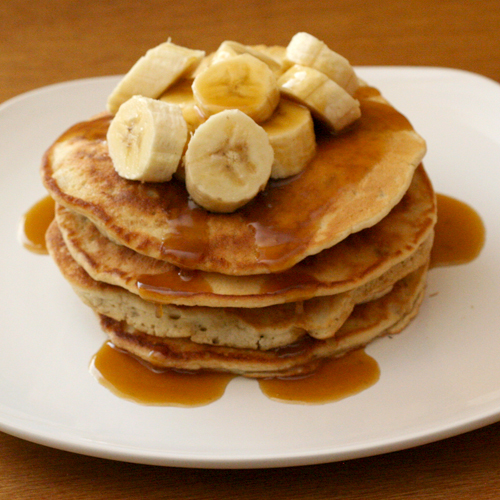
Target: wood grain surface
(45, 42)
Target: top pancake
(353, 182)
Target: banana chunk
(228, 49)
(276, 52)
(307, 50)
(292, 137)
(154, 72)
(241, 82)
(227, 162)
(327, 100)
(146, 139)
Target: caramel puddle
(335, 379)
(34, 224)
(460, 233)
(129, 378)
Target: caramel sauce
(132, 379)
(333, 380)
(459, 234)
(34, 224)
(157, 287)
(188, 225)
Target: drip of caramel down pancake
(247, 328)
(352, 263)
(354, 181)
(384, 316)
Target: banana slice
(181, 93)
(154, 72)
(241, 82)
(146, 139)
(204, 64)
(228, 161)
(307, 50)
(327, 100)
(291, 134)
(229, 49)
(276, 52)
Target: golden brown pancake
(355, 261)
(353, 182)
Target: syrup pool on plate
(131, 379)
(34, 224)
(459, 233)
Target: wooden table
(44, 42)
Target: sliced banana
(146, 139)
(204, 64)
(276, 52)
(327, 100)
(241, 82)
(229, 49)
(291, 134)
(307, 50)
(227, 162)
(154, 72)
(181, 93)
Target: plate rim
(131, 454)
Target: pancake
(354, 181)
(256, 328)
(402, 236)
(384, 316)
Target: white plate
(440, 377)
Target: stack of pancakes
(316, 265)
